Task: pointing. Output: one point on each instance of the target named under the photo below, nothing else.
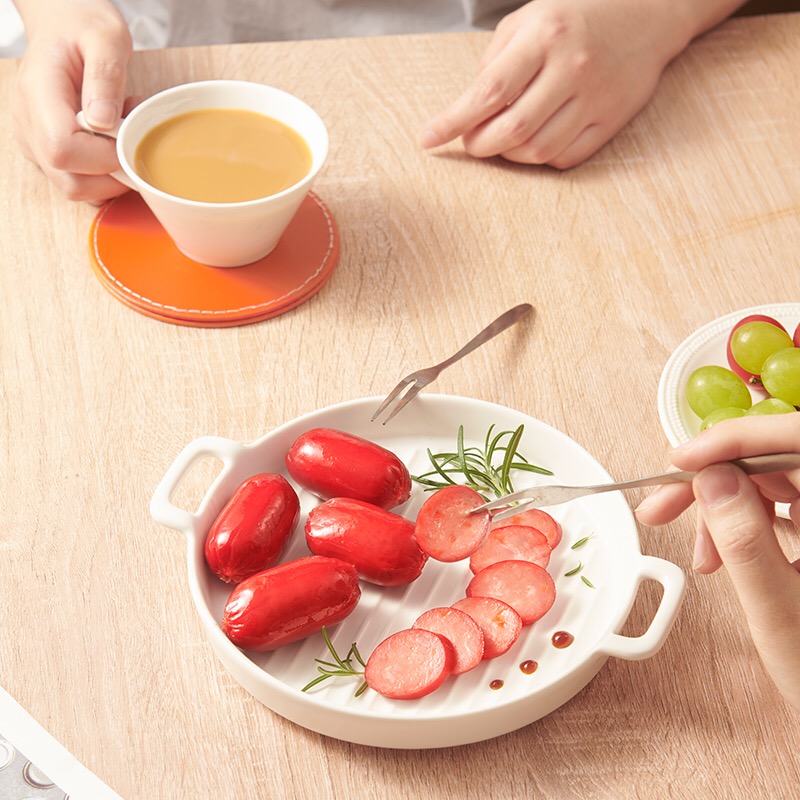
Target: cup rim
(140, 183)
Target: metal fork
(422, 377)
(552, 495)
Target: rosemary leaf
(438, 469)
(509, 459)
(313, 683)
(357, 655)
(531, 468)
(492, 446)
(326, 663)
(332, 649)
(462, 457)
(425, 481)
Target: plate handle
(162, 509)
(635, 648)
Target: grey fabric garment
(162, 23)
(165, 23)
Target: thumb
(742, 530)
(104, 74)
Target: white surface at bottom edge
(51, 757)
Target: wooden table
(690, 213)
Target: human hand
(736, 529)
(560, 78)
(77, 57)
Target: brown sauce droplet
(529, 667)
(496, 684)
(562, 639)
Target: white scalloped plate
(465, 709)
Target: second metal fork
(422, 377)
(553, 495)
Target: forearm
(696, 17)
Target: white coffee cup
(221, 234)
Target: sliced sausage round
(536, 518)
(445, 528)
(463, 633)
(500, 624)
(526, 587)
(409, 664)
(511, 543)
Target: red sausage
(526, 587)
(290, 602)
(409, 664)
(463, 633)
(251, 531)
(332, 463)
(380, 544)
(511, 543)
(445, 528)
(535, 518)
(500, 624)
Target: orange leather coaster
(139, 264)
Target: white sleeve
(12, 31)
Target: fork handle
(754, 465)
(504, 321)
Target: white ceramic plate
(707, 345)
(465, 709)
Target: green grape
(770, 405)
(754, 342)
(781, 375)
(713, 387)
(720, 414)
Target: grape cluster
(761, 354)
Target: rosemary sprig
(339, 667)
(574, 570)
(487, 470)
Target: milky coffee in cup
(238, 160)
(222, 155)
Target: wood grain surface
(692, 212)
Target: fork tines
(394, 394)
